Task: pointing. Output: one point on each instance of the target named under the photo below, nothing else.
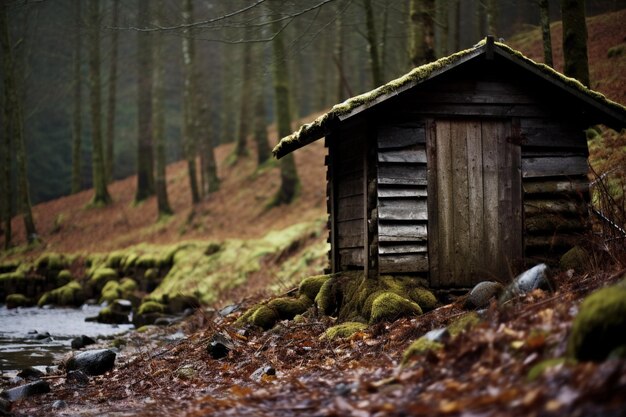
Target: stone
(482, 293)
(228, 310)
(5, 407)
(92, 362)
(41, 336)
(146, 319)
(437, 335)
(27, 390)
(219, 346)
(59, 405)
(30, 373)
(18, 300)
(82, 341)
(180, 302)
(121, 306)
(600, 325)
(534, 278)
(108, 315)
(266, 370)
(576, 258)
(77, 378)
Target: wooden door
(475, 225)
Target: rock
(343, 330)
(92, 362)
(600, 326)
(108, 316)
(77, 378)
(311, 286)
(121, 306)
(41, 336)
(180, 302)
(82, 341)
(140, 320)
(186, 372)
(482, 293)
(437, 335)
(5, 407)
(18, 300)
(165, 321)
(220, 345)
(228, 310)
(420, 347)
(389, 306)
(576, 258)
(59, 405)
(30, 373)
(536, 277)
(263, 371)
(28, 390)
(288, 307)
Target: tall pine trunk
(245, 107)
(575, 61)
(101, 193)
(289, 181)
(6, 199)
(544, 14)
(421, 32)
(260, 125)
(145, 156)
(189, 111)
(77, 129)
(441, 28)
(372, 43)
(111, 100)
(15, 128)
(158, 117)
(491, 9)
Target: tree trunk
(576, 64)
(338, 58)
(492, 17)
(260, 126)
(145, 157)
(15, 128)
(101, 193)
(289, 181)
(245, 107)
(441, 28)
(544, 14)
(211, 181)
(110, 133)
(163, 205)
(77, 130)
(189, 116)
(454, 23)
(421, 32)
(372, 43)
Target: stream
(19, 347)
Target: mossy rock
(538, 369)
(146, 261)
(101, 276)
(128, 285)
(264, 317)
(18, 300)
(181, 302)
(482, 293)
(311, 286)
(71, 294)
(600, 326)
(151, 274)
(110, 292)
(463, 323)
(129, 261)
(343, 330)
(420, 347)
(109, 315)
(390, 306)
(576, 258)
(51, 261)
(64, 276)
(151, 307)
(287, 308)
(424, 298)
(326, 299)
(12, 276)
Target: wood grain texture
(402, 232)
(409, 263)
(402, 209)
(554, 166)
(401, 174)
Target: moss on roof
(322, 125)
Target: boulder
(180, 302)
(140, 320)
(482, 293)
(108, 316)
(389, 306)
(599, 329)
(92, 362)
(534, 278)
(576, 258)
(220, 345)
(263, 372)
(82, 341)
(27, 390)
(18, 300)
(30, 373)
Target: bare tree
(575, 59)
(14, 122)
(372, 43)
(111, 100)
(421, 32)
(77, 130)
(544, 14)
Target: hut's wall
(347, 198)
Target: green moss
(537, 370)
(12, 276)
(600, 326)
(617, 50)
(576, 258)
(465, 322)
(389, 306)
(311, 286)
(71, 294)
(110, 316)
(181, 302)
(110, 292)
(129, 261)
(118, 342)
(343, 330)
(128, 285)
(420, 347)
(18, 300)
(287, 308)
(325, 299)
(51, 260)
(64, 277)
(151, 274)
(147, 261)
(146, 328)
(425, 298)
(264, 317)
(101, 276)
(151, 307)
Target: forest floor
(483, 371)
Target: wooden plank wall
(555, 186)
(402, 208)
(349, 192)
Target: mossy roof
(613, 114)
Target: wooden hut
(462, 170)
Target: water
(19, 349)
